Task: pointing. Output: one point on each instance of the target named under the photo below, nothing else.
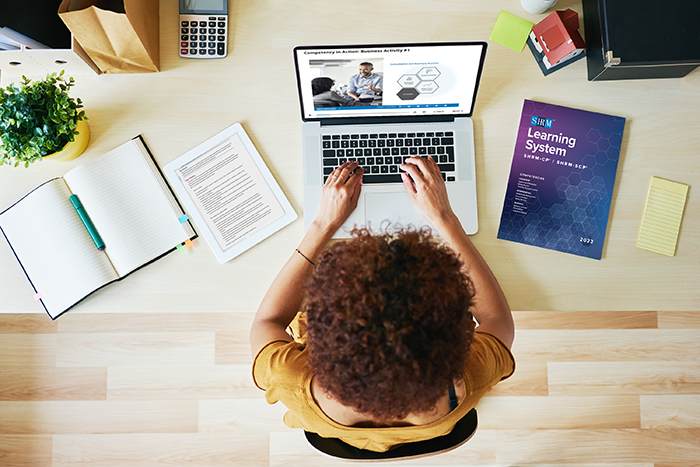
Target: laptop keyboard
(381, 154)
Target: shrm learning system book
(561, 179)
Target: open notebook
(132, 208)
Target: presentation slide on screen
(388, 81)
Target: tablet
(229, 193)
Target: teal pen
(87, 222)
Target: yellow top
(281, 370)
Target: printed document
(230, 192)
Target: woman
(390, 334)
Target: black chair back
(460, 434)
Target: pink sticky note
(37, 296)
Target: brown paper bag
(120, 36)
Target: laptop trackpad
(392, 207)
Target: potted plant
(39, 119)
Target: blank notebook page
(129, 206)
(54, 247)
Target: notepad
(663, 213)
(511, 31)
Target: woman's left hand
(339, 196)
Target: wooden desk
(190, 100)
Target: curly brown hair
(389, 326)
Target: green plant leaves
(37, 118)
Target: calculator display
(207, 7)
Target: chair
(460, 434)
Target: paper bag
(120, 36)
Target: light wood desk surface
(191, 100)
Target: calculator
(203, 28)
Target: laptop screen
(390, 80)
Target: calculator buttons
(203, 39)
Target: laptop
(379, 104)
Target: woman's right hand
(339, 196)
(426, 189)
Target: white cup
(536, 7)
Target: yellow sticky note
(511, 31)
(663, 213)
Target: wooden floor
(611, 389)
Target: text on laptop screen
(389, 80)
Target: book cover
(561, 179)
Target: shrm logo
(540, 121)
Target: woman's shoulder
(489, 359)
(279, 363)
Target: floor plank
(134, 348)
(585, 319)
(597, 446)
(24, 323)
(35, 383)
(154, 322)
(676, 411)
(529, 379)
(611, 345)
(25, 450)
(164, 450)
(178, 382)
(558, 412)
(233, 348)
(599, 378)
(233, 415)
(679, 319)
(28, 349)
(98, 417)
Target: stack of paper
(12, 40)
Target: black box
(641, 39)
(38, 20)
